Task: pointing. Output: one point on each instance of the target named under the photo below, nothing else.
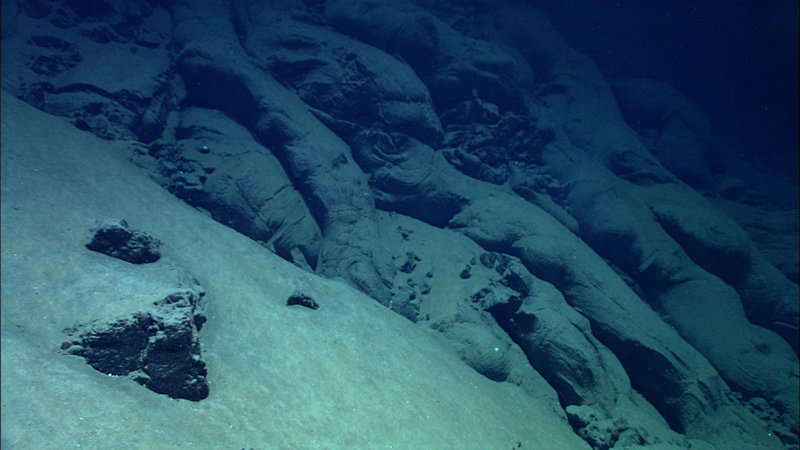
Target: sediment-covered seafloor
(412, 224)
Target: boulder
(157, 347)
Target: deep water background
(737, 60)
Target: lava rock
(114, 238)
(158, 348)
(302, 299)
(404, 302)
(410, 263)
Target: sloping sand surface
(350, 374)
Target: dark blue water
(737, 60)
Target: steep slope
(349, 374)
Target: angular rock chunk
(115, 238)
(302, 299)
(158, 347)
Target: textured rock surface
(334, 377)
(158, 348)
(464, 166)
(116, 239)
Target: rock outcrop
(600, 262)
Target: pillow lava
(465, 168)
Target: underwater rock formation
(589, 244)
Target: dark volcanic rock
(302, 299)
(558, 341)
(405, 302)
(78, 66)
(409, 264)
(216, 164)
(294, 122)
(115, 238)
(314, 158)
(480, 346)
(157, 348)
(632, 332)
(454, 66)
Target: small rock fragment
(302, 299)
